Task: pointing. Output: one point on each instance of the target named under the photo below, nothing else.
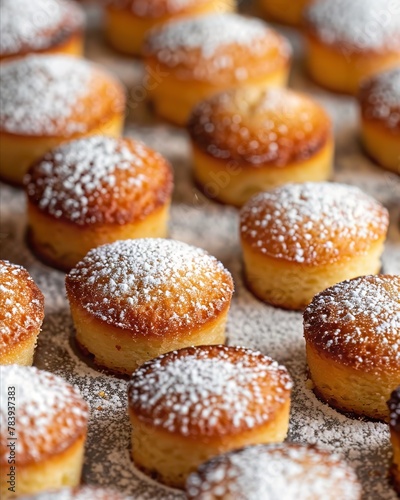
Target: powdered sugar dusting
(81, 180)
(155, 8)
(49, 413)
(215, 390)
(30, 25)
(79, 493)
(313, 222)
(21, 304)
(41, 94)
(358, 24)
(358, 321)
(381, 98)
(137, 284)
(284, 471)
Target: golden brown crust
(356, 323)
(258, 127)
(222, 49)
(98, 181)
(154, 9)
(313, 224)
(21, 306)
(209, 392)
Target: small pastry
(299, 239)
(286, 471)
(47, 100)
(21, 314)
(43, 432)
(40, 26)
(133, 300)
(394, 409)
(249, 140)
(190, 405)
(284, 11)
(128, 21)
(352, 334)
(79, 493)
(195, 58)
(380, 118)
(349, 40)
(93, 191)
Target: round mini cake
(78, 493)
(40, 26)
(278, 471)
(299, 239)
(21, 314)
(284, 11)
(43, 432)
(94, 191)
(348, 40)
(394, 409)
(133, 300)
(352, 334)
(47, 100)
(128, 21)
(195, 58)
(190, 405)
(249, 140)
(380, 118)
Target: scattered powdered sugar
(29, 25)
(313, 223)
(79, 493)
(150, 285)
(215, 390)
(382, 98)
(41, 95)
(21, 304)
(359, 322)
(78, 178)
(394, 407)
(358, 24)
(154, 8)
(49, 413)
(275, 472)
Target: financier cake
(40, 26)
(394, 409)
(299, 239)
(249, 140)
(380, 118)
(43, 432)
(286, 471)
(93, 191)
(48, 99)
(349, 40)
(352, 333)
(284, 11)
(128, 21)
(133, 300)
(195, 58)
(21, 314)
(190, 405)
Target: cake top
(99, 180)
(358, 322)
(380, 98)
(358, 25)
(313, 223)
(55, 95)
(49, 413)
(21, 305)
(217, 46)
(260, 126)
(151, 286)
(34, 25)
(209, 390)
(271, 472)
(155, 8)
(394, 408)
(79, 493)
